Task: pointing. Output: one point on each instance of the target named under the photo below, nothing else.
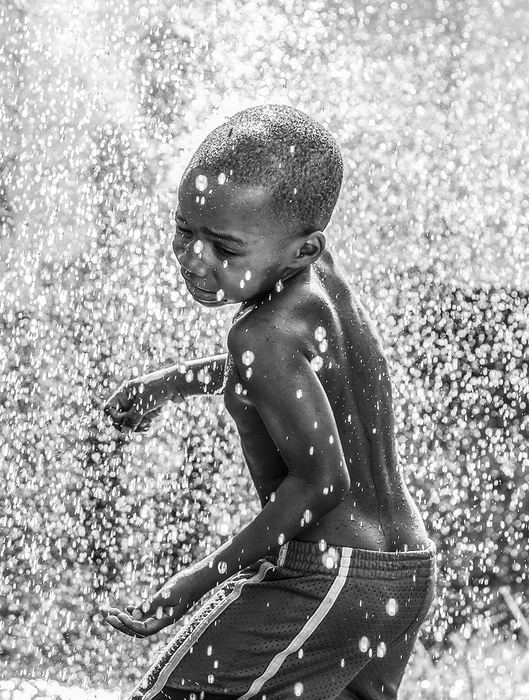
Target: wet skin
(307, 380)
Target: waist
(321, 557)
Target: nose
(191, 258)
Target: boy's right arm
(138, 401)
(204, 376)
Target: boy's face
(229, 246)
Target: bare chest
(265, 464)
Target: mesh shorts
(310, 623)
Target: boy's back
(317, 318)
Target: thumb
(129, 419)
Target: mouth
(190, 282)
(205, 296)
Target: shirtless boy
(323, 593)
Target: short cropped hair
(284, 150)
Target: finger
(120, 620)
(145, 627)
(144, 425)
(116, 623)
(119, 401)
(130, 419)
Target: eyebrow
(225, 236)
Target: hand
(137, 402)
(163, 609)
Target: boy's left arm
(295, 410)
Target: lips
(188, 279)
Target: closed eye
(224, 251)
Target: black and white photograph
(264, 349)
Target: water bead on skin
(247, 357)
(222, 567)
(316, 363)
(201, 183)
(320, 333)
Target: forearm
(295, 505)
(190, 378)
(205, 376)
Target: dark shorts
(310, 622)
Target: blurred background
(102, 103)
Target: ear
(310, 250)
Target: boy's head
(270, 177)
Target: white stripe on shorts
(196, 633)
(309, 627)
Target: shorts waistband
(319, 557)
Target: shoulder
(282, 325)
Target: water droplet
(320, 333)
(247, 357)
(363, 644)
(201, 183)
(392, 607)
(316, 363)
(330, 558)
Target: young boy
(323, 593)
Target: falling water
(102, 104)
